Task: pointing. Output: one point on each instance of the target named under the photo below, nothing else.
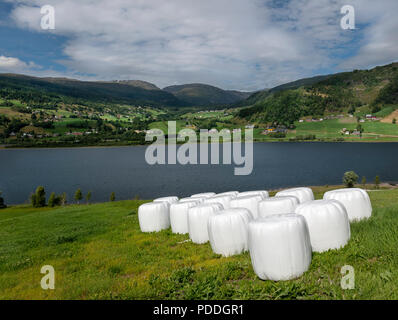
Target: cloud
(380, 46)
(230, 43)
(10, 64)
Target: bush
(38, 199)
(350, 179)
(113, 197)
(277, 135)
(2, 205)
(51, 200)
(88, 197)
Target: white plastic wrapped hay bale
(355, 200)
(248, 202)
(179, 216)
(303, 194)
(228, 231)
(204, 195)
(264, 194)
(327, 222)
(169, 200)
(280, 247)
(198, 200)
(233, 194)
(154, 216)
(277, 205)
(223, 200)
(198, 217)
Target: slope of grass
(98, 252)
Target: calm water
(124, 170)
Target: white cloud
(230, 43)
(11, 64)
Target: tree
(78, 195)
(394, 121)
(113, 197)
(2, 205)
(360, 129)
(350, 178)
(63, 199)
(51, 200)
(363, 181)
(88, 197)
(38, 199)
(377, 182)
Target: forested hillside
(32, 91)
(343, 92)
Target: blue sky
(233, 44)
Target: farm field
(98, 252)
(374, 131)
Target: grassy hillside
(98, 252)
(343, 92)
(204, 95)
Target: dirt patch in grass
(391, 117)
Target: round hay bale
(233, 194)
(355, 200)
(327, 222)
(228, 231)
(261, 193)
(204, 195)
(223, 200)
(154, 216)
(198, 200)
(303, 194)
(280, 247)
(197, 221)
(169, 200)
(248, 202)
(179, 216)
(277, 205)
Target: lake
(125, 171)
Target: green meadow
(98, 252)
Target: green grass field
(330, 129)
(98, 252)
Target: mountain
(198, 94)
(135, 92)
(39, 90)
(138, 84)
(342, 92)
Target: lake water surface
(125, 171)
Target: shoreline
(369, 187)
(8, 147)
